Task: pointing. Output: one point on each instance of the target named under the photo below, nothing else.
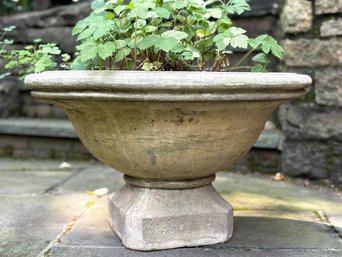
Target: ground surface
(48, 211)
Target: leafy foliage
(167, 35)
(33, 58)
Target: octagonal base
(151, 219)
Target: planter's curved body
(169, 133)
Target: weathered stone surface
(296, 16)
(308, 149)
(93, 177)
(28, 223)
(327, 125)
(64, 251)
(328, 86)
(308, 52)
(37, 127)
(53, 25)
(265, 196)
(256, 231)
(9, 96)
(305, 122)
(328, 6)
(331, 27)
(38, 182)
(41, 165)
(305, 159)
(335, 219)
(151, 219)
(171, 131)
(54, 17)
(336, 171)
(272, 218)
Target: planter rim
(167, 85)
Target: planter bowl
(169, 133)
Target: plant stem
(239, 67)
(244, 57)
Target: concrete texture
(153, 219)
(269, 138)
(272, 218)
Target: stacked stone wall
(313, 125)
(53, 25)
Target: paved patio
(49, 211)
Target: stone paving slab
(50, 213)
(267, 231)
(7, 164)
(29, 223)
(257, 192)
(30, 182)
(93, 177)
(66, 251)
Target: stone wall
(52, 25)
(313, 125)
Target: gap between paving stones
(328, 223)
(62, 182)
(68, 227)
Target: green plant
(168, 35)
(33, 58)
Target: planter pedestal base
(150, 215)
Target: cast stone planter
(169, 133)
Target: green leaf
(37, 40)
(87, 33)
(44, 63)
(200, 33)
(148, 66)
(190, 54)
(166, 44)
(268, 44)
(120, 43)
(4, 75)
(178, 48)
(240, 41)
(147, 42)
(235, 31)
(261, 58)
(254, 43)
(101, 31)
(266, 48)
(97, 4)
(162, 12)
(179, 35)
(88, 53)
(277, 51)
(50, 49)
(8, 42)
(237, 6)
(215, 13)
(106, 50)
(150, 28)
(9, 28)
(258, 68)
(179, 5)
(220, 42)
(65, 57)
(121, 54)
